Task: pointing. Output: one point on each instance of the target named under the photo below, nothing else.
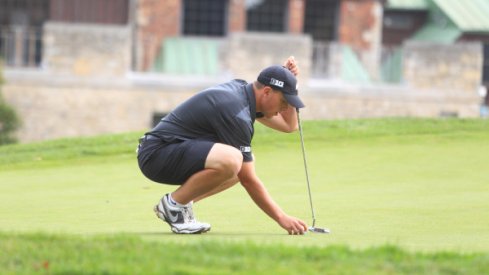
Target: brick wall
(237, 16)
(156, 20)
(296, 16)
(360, 27)
(359, 21)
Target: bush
(9, 121)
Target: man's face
(273, 103)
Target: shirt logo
(245, 149)
(276, 82)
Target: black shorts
(174, 162)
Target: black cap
(280, 78)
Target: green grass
(126, 254)
(58, 152)
(419, 186)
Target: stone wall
(248, 53)
(86, 50)
(446, 68)
(54, 108)
(342, 102)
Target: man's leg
(226, 185)
(221, 167)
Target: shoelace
(188, 214)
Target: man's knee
(225, 158)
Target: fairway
(421, 185)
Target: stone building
(441, 22)
(89, 67)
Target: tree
(9, 121)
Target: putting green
(422, 191)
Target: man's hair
(260, 85)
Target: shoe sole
(176, 231)
(161, 216)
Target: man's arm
(262, 198)
(285, 121)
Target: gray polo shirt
(224, 113)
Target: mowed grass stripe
(417, 184)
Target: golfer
(204, 145)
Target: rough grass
(123, 254)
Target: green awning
(188, 56)
(469, 16)
(433, 33)
(352, 69)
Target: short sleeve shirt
(224, 113)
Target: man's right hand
(291, 64)
(293, 225)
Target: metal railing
(332, 60)
(321, 60)
(21, 46)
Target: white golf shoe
(180, 219)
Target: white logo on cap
(277, 83)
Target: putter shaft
(305, 166)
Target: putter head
(319, 230)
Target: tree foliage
(9, 121)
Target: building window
(321, 19)
(21, 31)
(398, 21)
(204, 17)
(266, 15)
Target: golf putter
(313, 228)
